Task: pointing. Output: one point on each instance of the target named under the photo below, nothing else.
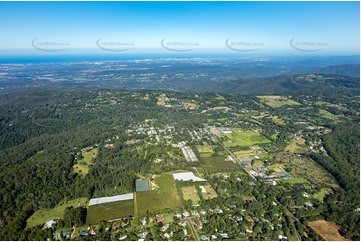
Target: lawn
(41, 216)
(277, 101)
(327, 115)
(190, 192)
(293, 181)
(82, 166)
(217, 164)
(162, 198)
(210, 193)
(109, 211)
(189, 105)
(327, 230)
(245, 138)
(321, 194)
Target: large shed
(142, 185)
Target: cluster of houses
(187, 152)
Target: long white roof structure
(100, 200)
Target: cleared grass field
(108, 211)
(82, 167)
(277, 101)
(204, 148)
(217, 164)
(190, 192)
(293, 181)
(189, 105)
(321, 194)
(210, 193)
(327, 230)
(296, 146)
(306, 168)
(245, 138)
(162, 198)
(41, 216)
(327, 115)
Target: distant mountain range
(352, 70)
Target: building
(141, 185)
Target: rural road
(195, 235)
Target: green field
(189, 105)
(204, 148)
(277, 101)
(293, 181)
(321, 194)
(41, 216)
(217, 164)
(162, 198)
(245, 138)
(210, 193)
(297, 146)
(327, 115)
(108, 211)
(82, 166)
(190, 193)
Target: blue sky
(205, 26)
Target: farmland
(327, 230)
(244, 138)
(108, 211)
(190, 193)
(209, 192)
(42, 215)
(162, 198)
(327, 115)
(277, 101)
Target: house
(185, 232)
(92, 232)
(281, 237)
(165, 227)
(249, 219)
(185, 214)
(195, 213)
(178, 215)
(160, 219)
(198, 224)
(224, 235)
(249, 231)
(66, 234)
(50, 223)
(84, 233)
(203, 212)
(214, 237)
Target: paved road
(233, 156)
(195, 235)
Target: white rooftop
(186, 176)
(100, 200)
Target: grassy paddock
(327, 230)
(82, 167)
(190, 192)
(164, 197)
(108, 211)
(41, 216)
